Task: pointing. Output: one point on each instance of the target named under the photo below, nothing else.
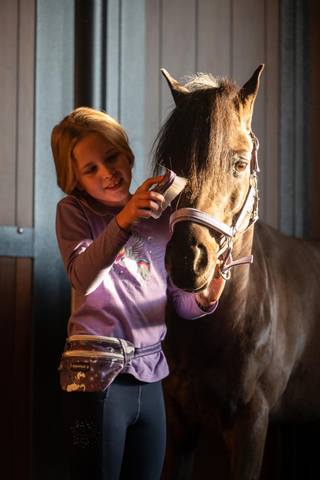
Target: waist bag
(90, 363)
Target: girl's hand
(141, 204)
(212, 293)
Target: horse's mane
(197, 132)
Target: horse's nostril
(201, 258)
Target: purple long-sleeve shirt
(119, 278)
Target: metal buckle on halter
(254, 180)
(255, 209)
(225, 275)
(224, 245)
(225, 251)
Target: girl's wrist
(123, 223)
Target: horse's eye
(240, 166)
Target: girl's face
(102, 170)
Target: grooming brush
(170, 187)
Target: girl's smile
(102, 170)
(115, 185)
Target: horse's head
(207, 139)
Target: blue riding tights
(116, 434)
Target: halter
(228, 233)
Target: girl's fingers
(141, 204)
(144, 213)
(149, 182)
(148, 203)
(146, 195)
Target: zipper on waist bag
(99, 338)
(92, 353)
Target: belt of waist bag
(149, 350)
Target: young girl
(113, 252)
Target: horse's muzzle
(189, 262)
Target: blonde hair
(73, 128)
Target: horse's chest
(230, 377)
(221, 382)
(230, 381)
(225, 363)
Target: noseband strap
(197, 216)
(227, 233)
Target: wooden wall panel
(7, 289)
(315, 123)
(17, 39)
(22, 368)
(8, 102)
(16, 279)
(301, 52)
(270, 172)
(113, 59)
(295, 107)
(25, 114)
(287, 150)
(177, 48)
(154, 77)
(132, 81)
(171, 44)
(214, 38)
(126, 76)
(248, 37)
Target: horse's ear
(178, 91)
(248, 93)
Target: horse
(255, 359)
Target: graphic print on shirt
(132, 253)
